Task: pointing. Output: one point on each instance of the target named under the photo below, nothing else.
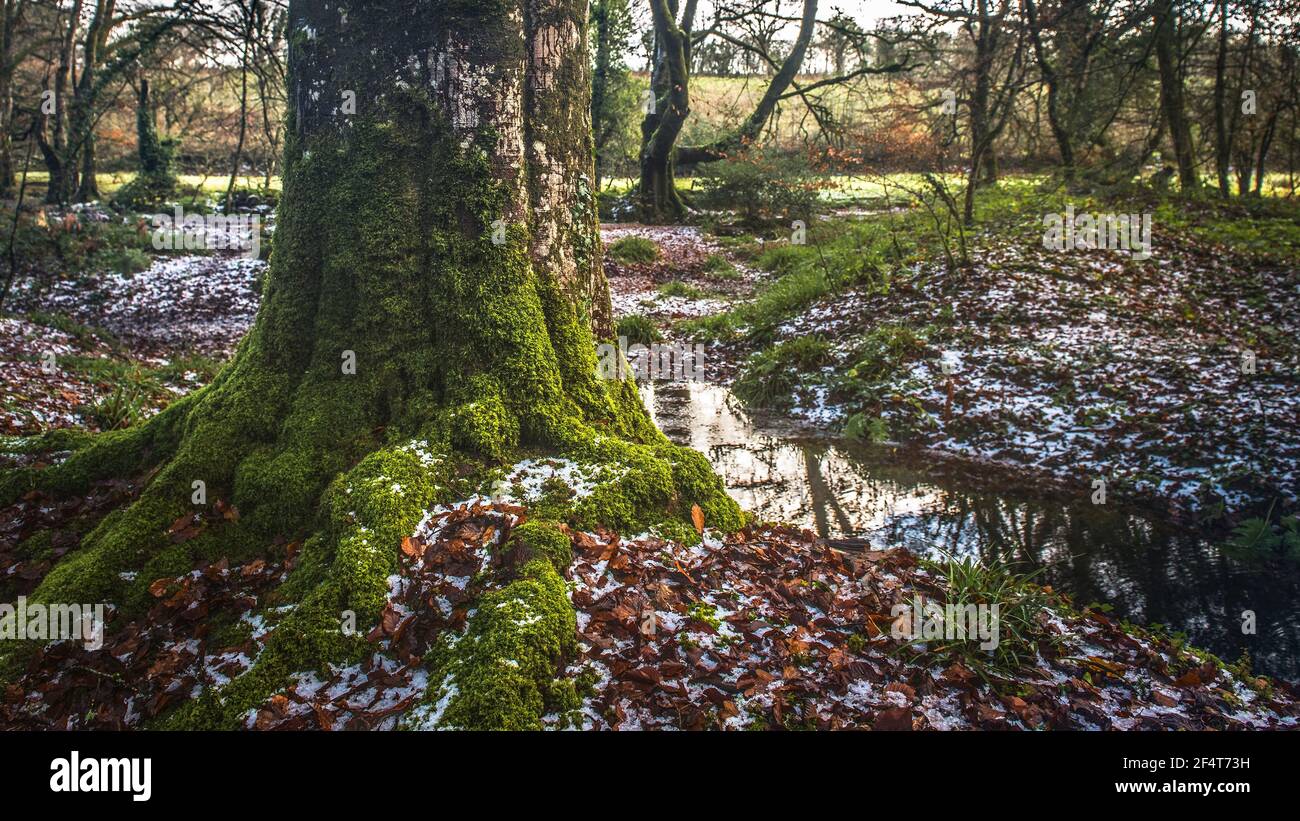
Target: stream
(1151, 571)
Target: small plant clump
(634, 249)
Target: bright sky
(864, 11)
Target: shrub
(1259, 538)
(883, 350)
(122, 408)
(125, 260)
(968, 581)
(763, 186)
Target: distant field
(841, 189)
(718, 104)
(190, 185)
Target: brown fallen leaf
(1192, 678)
(894, 719)
(411, 548)
(899, 687)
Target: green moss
(543, 538)
(484, 424)
(37, 546)
(655, 483)
(384, 257)
(501, 673)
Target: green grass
(969, 581)
(638, 329)
(679, 288)
(770, 376)
(717, 267)
(758, 319)
(127, 389)
(187, 184)
(1265, 228)
(633, 249)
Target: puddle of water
(1151, 571)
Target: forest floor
(765, 628)
(1175, 379)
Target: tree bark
(1055, 116)
(1172, 101)
(1222, 145)
(430, 303)
(662, 124)
(82, 136)
(11, 16)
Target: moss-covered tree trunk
(435, 294)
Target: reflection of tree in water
(821, 498)
(1150, 571)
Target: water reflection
(1151, 571)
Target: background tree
(613, 93)
(12, 22)
(1166, 19)
(751, 28)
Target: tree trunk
(600, 81)
(1055, 117)
(430, 303)
(670, 87)
(88, 187)
(243, 118)
(81, 149)
(1171, 91)
(1222, 145)
(6, 103)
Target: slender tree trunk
(243, 117)
(8, 21)
(1055, 117)
(81, 146)
(1171, 91)
(62, 183)
(670, 87)
(1222, 146)
(1265, 143)
(600, 80)
(88, 186)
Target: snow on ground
(766, 628)
(1088, 366)
(684, 251)
(201, 304)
